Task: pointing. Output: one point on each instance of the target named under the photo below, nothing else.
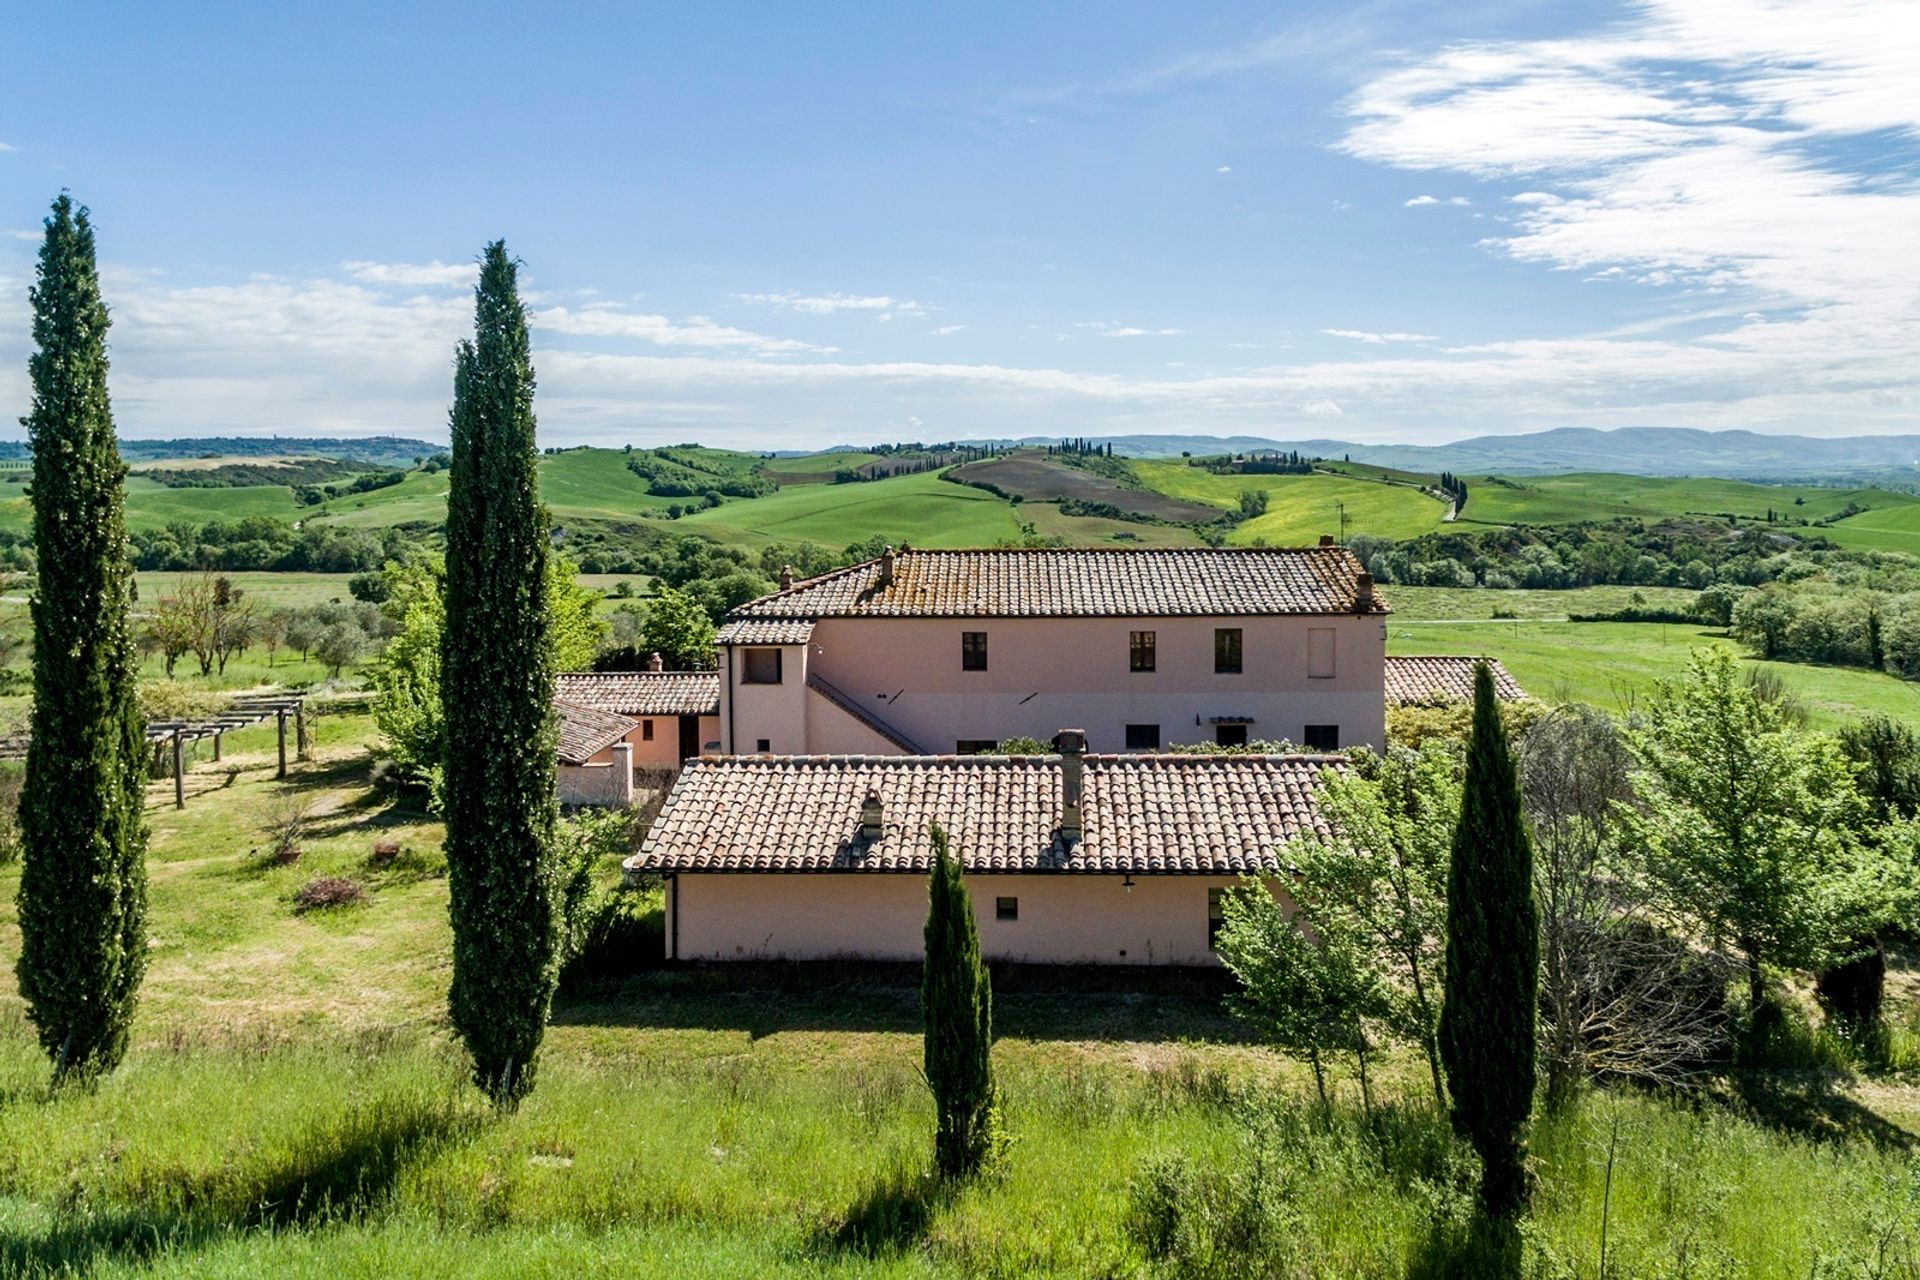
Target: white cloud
(7, 147)
(695, 331)
(414, 274)
(1320, 409)
(1376, 339)
(1130, 331)
(827, 304)
(1418, 201)
(1225, 168)
(947, 329)
(24, 235)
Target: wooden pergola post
(280, 719)
(179, 774)
(300, 731)
(216, 747)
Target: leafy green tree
(496, 667)
(1492, 963)
(83, 885)
(956, 994)
(1754, 826)
(1309, 996)
(1381, 881)
(679, 630)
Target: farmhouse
(1070, 857)
(1437, 681)
(671, 715)
(930, 652)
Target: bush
(324, 893)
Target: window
(1006, 908)
(973, 651)
(975, 747)
(1226, 650)
(765, 746)
(646, 731)
(1216, 916)
(1230, 735)
(1140, 651)
(762, 667)
(1320, 653)
(1143, 737)
(1323, 737)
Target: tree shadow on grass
(338, 1170)
(1808, 1104)
(1478, 1248)
(1030, 1002)
(890, 1217)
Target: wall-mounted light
(1126, 882)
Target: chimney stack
(1072, 746)
(886, 567)
(1363, 593)
(654, 663)
(786, 577)
(872, 824)
(1326, 539)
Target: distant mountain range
(1645, 451)
(387, 451)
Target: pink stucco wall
(1063, 919)
(664, 751)
(1045, 674)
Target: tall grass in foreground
(370, 1157)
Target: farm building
(1436, 681)
(1071, 858)
(930, 652)
(648, 720)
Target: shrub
(324, 893)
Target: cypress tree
(83, 885)
(1493, 963)
(497, 689)
(957, 996)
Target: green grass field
(1564, 499)
(1099, 531)
(1885, 526)
(815, 468)
(1459, 604)
(922, 509)
(293, 1106)
(279, 590)
(1301, 508)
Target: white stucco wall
(1063, 919)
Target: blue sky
(804, 225)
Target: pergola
(241, 713)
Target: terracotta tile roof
(1141, 814)
(766, 631)
(642, 693)
(1430, 681)
(586, 731)
(1157, 582)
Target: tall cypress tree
(497, 690)
(956, 994)
(1493, 963)
(83, 887)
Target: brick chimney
(786, 577)
(654, 663)
(886, 568)
(1326, 539)
(1072, 746)
(872, 818)
(1363, 593)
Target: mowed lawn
(293, 1105)
(1301, 508)
(922, 510)
(1885, 526)
(273, 590)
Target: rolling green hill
(1589, 495)
(1301, 508)
(922, 509)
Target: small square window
(1230, 735)
(762, 667)
(1143, 737)
(1006, 908)
(646, 731)
(1322, 737)
(1226, 650)
(973, 651)
(765, 746)
(1216, 916)
(1140, 648)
